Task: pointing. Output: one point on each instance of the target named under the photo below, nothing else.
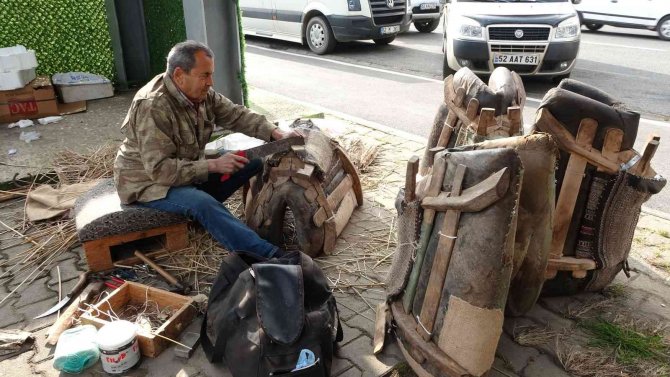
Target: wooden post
(572, 181)
(439, 169)
(487, 119)
(410, 179)
(440, 265)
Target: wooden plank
(642, 166)
(514, 116)
(572, 181)
(349, 167)
(99, 254)
(380, 328)
(546, 122)
(487, 118)
(471, 111)
(305, 172)
(473, 199)
(434, 188)
(344, 211)
(333, 200)
(450, 122)
(410, 178)
(612, 145)
(432, 353)
(440, 264)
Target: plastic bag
(29, 136)
(76, 349)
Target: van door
(636, 12)
(257, 16)
(288, 17)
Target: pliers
(111, 281)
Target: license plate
(390, 29)
(525, 59)
(428, 6)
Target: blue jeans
(203, 203)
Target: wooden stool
(110, 231)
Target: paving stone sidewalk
(531, 346)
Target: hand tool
(181, 287)
(81, 283)
(66, 320)
(280, 145)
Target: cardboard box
(35, 100)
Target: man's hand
(278, 134)
(229, 163)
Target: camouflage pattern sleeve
(238, 118)
(155, 133)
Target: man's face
(196, 83)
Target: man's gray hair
(183, 55)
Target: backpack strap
(232, 266)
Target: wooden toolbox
(151, 344)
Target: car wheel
(427, 26)
(664, 28)
(594, 27)
(446, 70)
(319, 36)
(384, 41)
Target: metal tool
(81, 283)
(181, 287)
(280, 145)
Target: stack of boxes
(23, 95)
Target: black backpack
(273, 317)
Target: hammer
(180, 287)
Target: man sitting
(161, 163)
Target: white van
(652, 14)
(539, 37)
(322, 23)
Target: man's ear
(178, 75)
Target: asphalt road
(400, 86)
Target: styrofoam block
(24, 60)
(17, 58)
(12, 50)
(16, 79)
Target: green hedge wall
(165, 28)
(67, 35)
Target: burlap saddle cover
(538, 154)
(462, 336)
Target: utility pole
(214, 22)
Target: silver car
(426, 14)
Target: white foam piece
(16, 79)
(19, 61)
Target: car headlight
(568, 29)
(467, 28)
(354, 5)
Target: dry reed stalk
(534, 335)
(589, 362)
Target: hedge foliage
(67, 35)
(164, 20)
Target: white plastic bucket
(119, 348)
